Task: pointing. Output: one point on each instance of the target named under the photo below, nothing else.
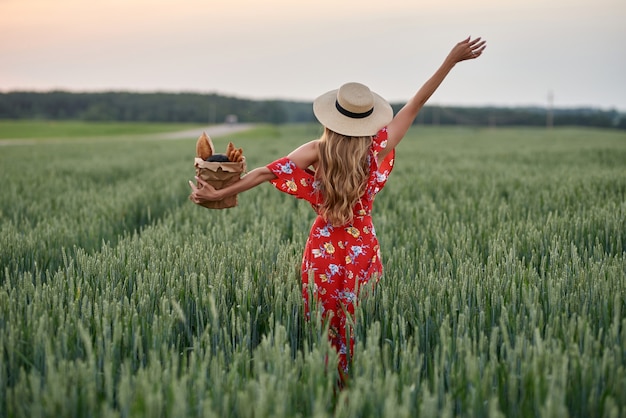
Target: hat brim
(327, 114)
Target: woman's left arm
(204, 192)
(303, 156)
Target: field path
(211, 130)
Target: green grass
(504, 291)
(21, 129)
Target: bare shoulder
(306, 154)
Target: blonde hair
(342, 173)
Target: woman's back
(338, 258)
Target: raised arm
(465, 50)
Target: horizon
(303, 101)
(565, 54)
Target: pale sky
(299, 49)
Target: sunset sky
(291, 49)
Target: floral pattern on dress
(340, 259)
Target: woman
(340, 175)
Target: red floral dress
(339, 259)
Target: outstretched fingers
(473, 42)
(470, 48)
(477, 47)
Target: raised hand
(467, 49)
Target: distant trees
(519, 116)
(213, 108)
(146, 107)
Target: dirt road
(211, 130)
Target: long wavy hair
(342, 173)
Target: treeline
(214, 108)
(521, 116)
(145, 107)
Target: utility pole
(549, 115)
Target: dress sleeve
(380, 143)
(293, 180)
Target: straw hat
(353, 110)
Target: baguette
(235, 155)
(230, 150)
(204, 146)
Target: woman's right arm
(397, 128)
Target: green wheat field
(504, 292)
